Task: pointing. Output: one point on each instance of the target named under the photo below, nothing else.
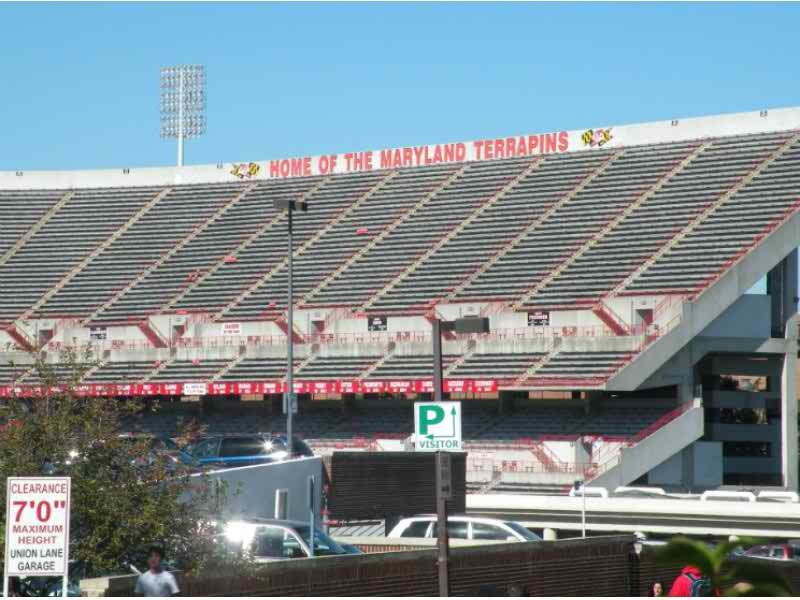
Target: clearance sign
(420, 156)
(37, 526)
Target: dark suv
(238, 450)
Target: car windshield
(323, 545)
(524, 532)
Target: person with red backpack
(691, 582)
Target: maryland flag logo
(596, 137)
(245, 170)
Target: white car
(268, 540)
(464, 528)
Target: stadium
(613, 263)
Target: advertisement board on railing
(397, 386)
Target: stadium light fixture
(290, 206)
(183, 103)
(463, 325)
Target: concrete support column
(267, 402)
(686, 392)
(505, 402)
(276, 403)
(789, 408)
(591, 399)
(687, 467)
(348, 404)
(782, 289)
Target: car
(156, 447)
(464, 528)
(786, 551)
(269, 540)
(242, 449)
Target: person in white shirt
(155, 582)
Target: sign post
(311, 520)
(37, 528)
(437, 426)
(444, 491)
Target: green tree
(124, 497)
(734, 577)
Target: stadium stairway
(666, 437)
(386, 232)
(630, 282)
(194, 232)
(587, 173)
(622, 196)
(537, 364)
(309, 243)
(88, 220)
(20, 210)
(584, 273)
(197, 286)
(370, 369)
(483, 206)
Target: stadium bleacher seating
(320, 424)
(570, 229)
(558, 232)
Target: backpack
(700, 586)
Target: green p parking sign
(437, 426)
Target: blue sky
(80, 81)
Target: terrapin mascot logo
(245, 170)
(596, 137)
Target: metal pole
(180, 118)
(437, 360)
(312, 494)
(442, 541)
(290, 347)
(583, 511)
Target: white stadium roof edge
(528, 144)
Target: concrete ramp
(665, 439)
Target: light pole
(290, 206)
(443, 470)
(183, 103)
(580, 486)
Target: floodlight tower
(183, 103)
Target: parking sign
(437, 426)
(37, 526)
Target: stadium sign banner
(420, 156)
(98, 333)
(423, 386)
(348, 387)
(373, 387)
(195, 389)
(231, 329)
(515, 146)
(396, 386)
(400, 387)
(377, 323)
(539, 318)
(321, 387)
